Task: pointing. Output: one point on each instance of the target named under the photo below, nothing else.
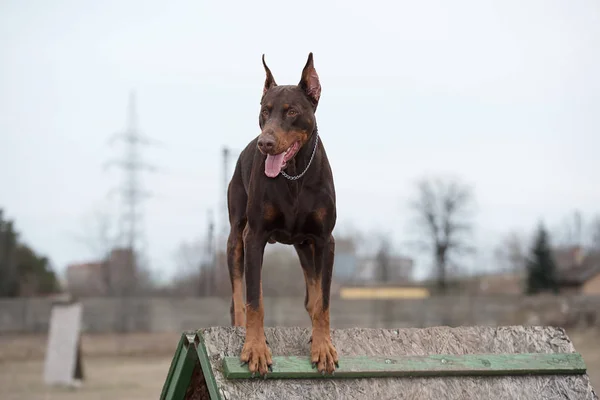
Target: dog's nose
(266, 143)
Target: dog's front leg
(255, 352)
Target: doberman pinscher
(282, 191)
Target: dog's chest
(296, 226)
(292, 213)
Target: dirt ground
(134, 367)
(128, 367)
(127, 378)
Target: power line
(131, 190)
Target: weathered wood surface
(418, 366)
(357, 342)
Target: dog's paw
(323, 354)
(257, 355)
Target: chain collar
(293, 178)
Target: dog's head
(287, 117)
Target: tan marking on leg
(313, 286)
(323, 353)
(239, 309)
(255, 351)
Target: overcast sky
(504, 94)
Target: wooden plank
(209, 376)
(419, 366)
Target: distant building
(114, 275)
(348, 266)
(345, 261)
(121, 271)
(592, 286)
(578, 270)
(400, 269)
(360, 278)
(344, 266)
(568, 257)
(84, 279)
(496, 284)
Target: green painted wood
(172, 368)
(180, 371)
(209, 376)
(418, 366)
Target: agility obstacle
(433, 363)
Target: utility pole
(207, 268)
(224, 213)
(223, 222)
(220, 244)
(131, 191)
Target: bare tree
(99, 236)
(571, 230)
(577, 231)
(443, 209)
(194, 267)
(358, 241)
(510, 253)
(383, 259)
(145, 280)
(189, 256)
(99, 232)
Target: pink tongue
(273, 165)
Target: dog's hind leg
(235, 250)
(317, 263)
(235, 262)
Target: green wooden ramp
(442, 362)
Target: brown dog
(282, 191)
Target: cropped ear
(269, 81)
(309, 82)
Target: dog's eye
(265, 112)
(292, 113)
